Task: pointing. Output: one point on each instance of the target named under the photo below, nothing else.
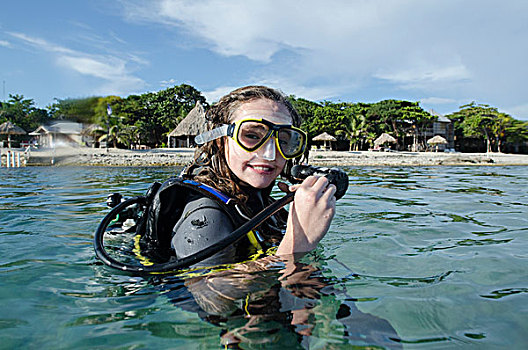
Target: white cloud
(111, 71)
(169, 82)
(336, 49)
(41, 43)
(438, 100)
(419, 76)
(317, 93)
(216, 94)
(260, 29)
(349, 47)
(93, 67)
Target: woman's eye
(252, 136)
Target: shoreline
(84, 156)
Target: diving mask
(252, 133)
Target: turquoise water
(432, 257)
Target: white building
(61, 133)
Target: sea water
(416, 257)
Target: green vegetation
(487, 123)
(23, 113)
(361, 123)
(149, 117)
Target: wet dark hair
(211, 156)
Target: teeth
(263, 168)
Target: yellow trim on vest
(137, 250)
(272, 250)
(205, 270)
(253, 240)
(255, 243)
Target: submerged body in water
(272, 301)
(243, 298)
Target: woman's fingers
(294, 188)
(310, 215)
(330, 190)
(319, 184)
(308, 182)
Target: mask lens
(291, 142)
(252, 135)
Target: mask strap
(212, 134)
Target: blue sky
(443, 53)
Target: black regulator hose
(100, 251)
(299, 172)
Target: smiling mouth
(262, 168)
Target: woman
(253, 137)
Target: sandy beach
(181, 156)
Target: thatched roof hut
(193, 124)
(437, 140)
(384, 138)
(325, 137)
(9, 129)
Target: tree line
(476, 127)
(148, 118)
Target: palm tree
(355, 126)
(129, 135)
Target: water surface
(437, 254)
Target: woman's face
(260, 168)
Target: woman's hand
(310, 215)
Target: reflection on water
(416, 258)
(290, 305)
